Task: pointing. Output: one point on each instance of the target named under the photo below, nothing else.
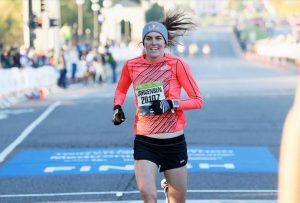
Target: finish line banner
(120, 161)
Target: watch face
(175, 104)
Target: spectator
(15, 58)
(5, 59)
(61, 64)
(113, 65)
(99, 76)
(24, 59)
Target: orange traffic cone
(43, 93)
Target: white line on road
(27, 131)
(131, 192)
(191, 201)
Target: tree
(88, 15)
(69, 13)
(137, 1)
(235, 5)
(11, 22)
(154, 13)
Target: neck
(153, 59)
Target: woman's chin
(155, 56)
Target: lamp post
(95, 8)
(31, 27)
(80, 16)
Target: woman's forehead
(153, 34)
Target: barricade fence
(278, 51)
(16, 83)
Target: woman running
(157, 78)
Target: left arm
(187, 81)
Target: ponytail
(177, 24)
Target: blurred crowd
(94, 63)
(82, 63)
(23, 57)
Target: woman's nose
(154, 41)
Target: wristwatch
(175, 104)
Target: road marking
(193, 201)
(131, 192)
(119, 161)
(60, 168)
(4, 113)
(27, 131)
(107, 167)
(207, 165)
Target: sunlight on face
(154, 44)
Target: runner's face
(154, 44)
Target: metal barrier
(16, 83)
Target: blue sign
(120, 161)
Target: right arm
(120, 95)
(123, 86)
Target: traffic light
(53, 22)
(33, 22)
(40, 21)
(43, 5)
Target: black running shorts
(165, 153)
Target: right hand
(119, 116)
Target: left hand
(160, 106)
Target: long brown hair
(177, 24)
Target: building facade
(123, 23)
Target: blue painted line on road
(120, 161)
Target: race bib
(148, 92)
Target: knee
(148, 194)
(177, 196)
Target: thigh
(177, 179)
(145, 173)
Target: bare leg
(145, 173)
(177, 184)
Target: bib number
(148, 92)
(148, 99)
